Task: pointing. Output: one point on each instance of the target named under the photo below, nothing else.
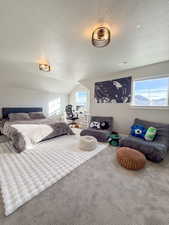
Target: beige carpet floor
(101, 192)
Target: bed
(43, 160)
(26, 133)
(24, 176)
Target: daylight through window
(151, 92)
(55, 106)
(81, 98)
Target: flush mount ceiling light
(123, 63)
(101, 37)
(44, 67)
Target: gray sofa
(99, 134)
(155, 150)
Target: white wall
(123, 114)
(19, 97)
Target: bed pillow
(138, 131)
(18, 116)
(95, 125)
(37, 115)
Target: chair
(99, 134)
(155, 150)
(71, 115)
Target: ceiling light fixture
(44, 67)
(101, 37)
(123, 63)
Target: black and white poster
(113, 91)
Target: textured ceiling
(60, 31)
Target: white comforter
(25, 134)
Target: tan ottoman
(87, 143)
(130, 158)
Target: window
(55, 106)
(81, 98)
(151, 92)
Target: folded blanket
(25, 134)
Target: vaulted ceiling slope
(60, 31)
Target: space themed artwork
(113, 91)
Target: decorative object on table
(130, 158)
(138, 131)
(100, 134)
(87, 143)
(113, 91)
(95, 125)
(155, 150)
(114, 139)
(101, 36)
(71, 115)
(150, 134)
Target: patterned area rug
(25, 175)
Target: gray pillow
(18, 116)
(37, 115)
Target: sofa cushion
(153, 151)
(162, 136)
(100, 135)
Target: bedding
(2, 122)
(37, 115)
(25, 134)
(18, 116)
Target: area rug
(25, 175)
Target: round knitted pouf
(87, 143)
(130, 158)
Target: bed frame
(7, 111)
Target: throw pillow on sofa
(150, 134)
(104, 125)
(138, 131)
(95, 125)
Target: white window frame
(76, 97)
(148, 107)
